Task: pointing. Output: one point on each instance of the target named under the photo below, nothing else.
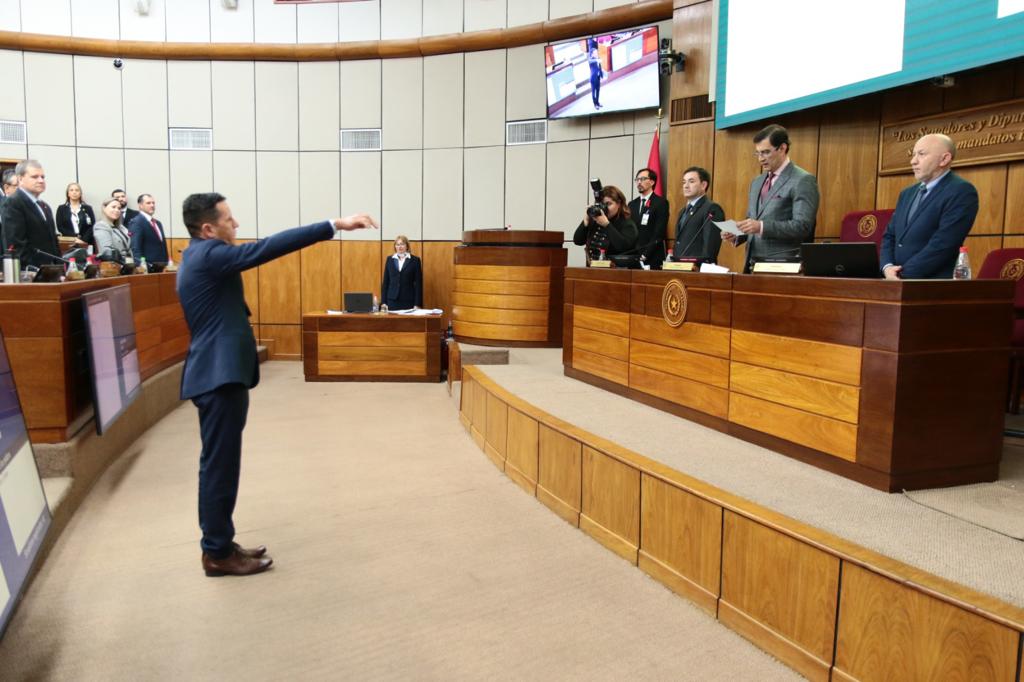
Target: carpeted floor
(887, 523)
(400, 553)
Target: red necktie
(156, 229)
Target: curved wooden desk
(893, 384)
(508, 288)
(44, 330)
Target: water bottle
(12, 268)
(963, 265)
(376, 304)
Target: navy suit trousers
(222, 414)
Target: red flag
(654, 159)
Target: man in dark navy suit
(221, 365)
(148, 240)
(29, 230)
(932, 217)
(650, 214)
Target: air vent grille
(692, 109)
(360, 140)
(12, 132)
(191, 138)
(526, 132)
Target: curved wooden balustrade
(644, 12)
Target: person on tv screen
(402, 287)
(607, 228)
(596, 72)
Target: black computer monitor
(24, 514)
(113, 356)
(840, 259)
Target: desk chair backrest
(865, 226)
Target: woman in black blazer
(402, 287)
(75, 217)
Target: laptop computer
(358, 302)
(840, 259)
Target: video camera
(598, 208)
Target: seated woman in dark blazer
(402, 287)
(75, 217)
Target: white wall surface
(444, 168)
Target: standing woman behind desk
(402, 287)
(75, 217)
(112, 238)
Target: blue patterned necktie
(917, 202)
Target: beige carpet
(997, 506)
(887, 523)
(400, 553)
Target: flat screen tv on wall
(603, 73)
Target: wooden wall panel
(438, 275)
(707, 369)
(321, 277)
(889, 188)
(780, 593)
(466, 401)
(990, 181)
(287, 340)
(610, 511)
(559, 474)
(698, 338)
(689, 144)
(610, 321)
(691, 35)
(497, 430)
(522, 450)
(888, 632)
(360, 266)
(848, 150)
(982, 86)
(920, 99)
(1013, 220)
(681, 541)
(692, 394)
(279, 291)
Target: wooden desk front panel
(371, 348)
(44, 330)
(840, 373)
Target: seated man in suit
(695, 236)
(221, 365)
(650, 215)
(932, 217)
(147, 233)
(28, 224)
(782, 204)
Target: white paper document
(418, 312)
(728, 226)
(711, 267)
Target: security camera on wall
(230, 4)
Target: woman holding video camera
(607, 228)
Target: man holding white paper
(782, 204)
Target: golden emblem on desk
(867, 225)
(1012, 269)
(673, 303)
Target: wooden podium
(508, 288)
(896, 384)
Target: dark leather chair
(1009, 264)
(865, 226)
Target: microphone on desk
(50, 255)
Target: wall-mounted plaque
(988, 134)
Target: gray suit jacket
(789, 213)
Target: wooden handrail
(643, 12)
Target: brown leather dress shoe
(251, 552)
(236, 564)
